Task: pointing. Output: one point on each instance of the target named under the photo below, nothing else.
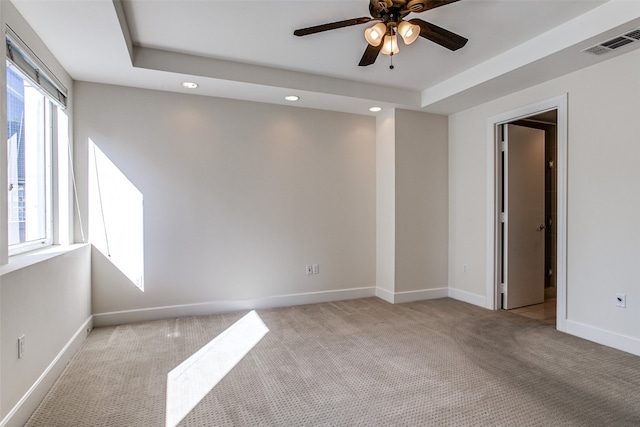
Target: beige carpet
(361, 362)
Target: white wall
(48, 302)
(238, 198)
(603, 233)
(45, 296)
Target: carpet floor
(356, 363)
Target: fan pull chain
(391, 67)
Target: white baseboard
(409, 296)
(384, 294)
(601, 336)
(468, 297)
(21, 412)
(421, 295)
(215, 307)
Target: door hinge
(502, 288)
(502, 216)
(503, 146)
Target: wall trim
(420, 295)
(25, 407)
(215, 307)
(410, 296)
(385, 295)
(468, 297)
(604, 337)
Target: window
(29, 171)
(31, 115)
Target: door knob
(541, 227)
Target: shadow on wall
(116, 222)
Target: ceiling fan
(390, 14)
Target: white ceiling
(247, 50)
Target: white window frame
(28, 65)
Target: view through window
(28, 154)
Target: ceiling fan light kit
(408, 31)
(374, 35)
(390, 45)
(390, 14)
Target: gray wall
(238, 196)
(411, 206)
(422, 197)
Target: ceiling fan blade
(446, 38)
(432, 4)
(331, 26)
(370, 55)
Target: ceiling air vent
(635, 34)
(614, 43)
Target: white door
(523, 262)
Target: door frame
(558, 103)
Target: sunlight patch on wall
(190, 381)
(116, 222)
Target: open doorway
(494, 258)
(527, 200)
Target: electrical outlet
(316, 269)
(309, 269)
(465, 269)
(621, 300)
(20, 347)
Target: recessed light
(189, 85)
(292, 98)
(375, 109)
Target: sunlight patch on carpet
(190, 381)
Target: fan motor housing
(417, 6)
(381, 4)
(379, 8)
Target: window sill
(27, 259)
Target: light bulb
(374, 35)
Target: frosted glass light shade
(375, 34)
(408, 31)
(390, 45)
